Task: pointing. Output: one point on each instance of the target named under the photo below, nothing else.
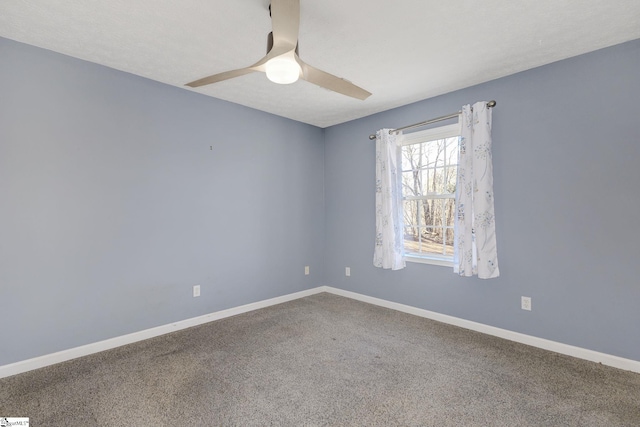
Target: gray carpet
(324, 360)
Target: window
(429, 175)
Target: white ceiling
(401, 51)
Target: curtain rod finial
(491, 103)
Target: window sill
(433, 260)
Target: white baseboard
(569, 350)
(85, 350)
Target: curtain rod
(490, 104)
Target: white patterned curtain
(475, 233)
(389, 248)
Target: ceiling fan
(282, 64)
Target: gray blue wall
(566, 142)
(112, 205)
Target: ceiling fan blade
(331, 82)
(285, 17)
(221, 76)
(258, 66)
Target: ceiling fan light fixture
(282, 64)
(283, 70)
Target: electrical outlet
(347, 271)
(306, 270)
(196, 291)
(525, 303)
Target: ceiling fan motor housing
(270, 40)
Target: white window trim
(429, 259)
(440, 132)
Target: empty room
(336, 213)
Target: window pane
(411, 157)
(443, 212)
(450, 211)
(414, 183)
(437, 181)
(409, 184)
(452, 150)
(440, 152)
(450, 180)
(430, 168)
(411, 241)
(410, 212)
(449, 242)
(427, 211)
(436, 212)
(425, 179)
(433, 153)
(430, 242)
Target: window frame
(432, 134)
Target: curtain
(389, 246)
(475, 234)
